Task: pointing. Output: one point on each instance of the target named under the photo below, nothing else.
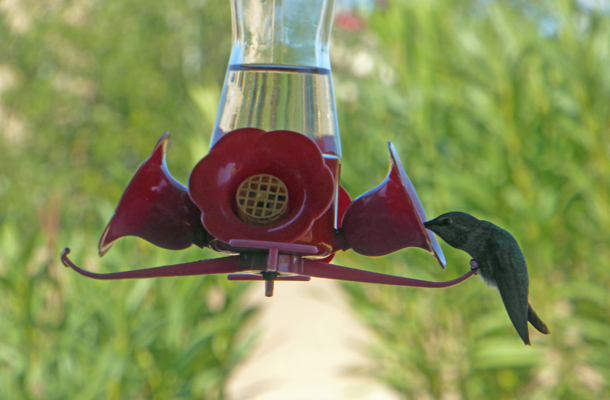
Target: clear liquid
(272, 97)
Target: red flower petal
(289, 156)
(389, 217)
(157, 208)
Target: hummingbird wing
(510, 272)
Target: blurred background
(498, 108)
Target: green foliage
(87, 88)
(493, 115)
(68, 337)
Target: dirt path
(310, 340)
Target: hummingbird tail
(536, 322)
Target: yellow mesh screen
(262, 199)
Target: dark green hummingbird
(498, 259)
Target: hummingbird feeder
(268, 193)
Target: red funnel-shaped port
(156, 208)
(389, 217)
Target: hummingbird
(498, 259)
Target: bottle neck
(279, 74)
(282, 32)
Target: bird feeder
(268, 193)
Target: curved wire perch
(331, 271)
(251, 277)
(225, 265)
(232, 264)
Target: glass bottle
(279, 78)
(279, 73)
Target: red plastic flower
(157, 208)
(389, 217)
(258, 185)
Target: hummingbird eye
(445, 221)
